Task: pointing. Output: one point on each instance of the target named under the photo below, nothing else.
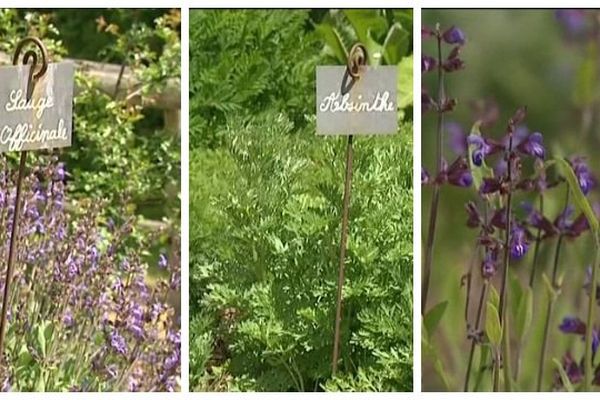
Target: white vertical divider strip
(417, 199)
(185, 206)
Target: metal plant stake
(357, 59)
(29, 57)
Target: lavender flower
(117, 342)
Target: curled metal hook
(32, 55)
(357, 58)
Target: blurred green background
(515, 57)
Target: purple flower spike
(454, 36)
(427, 63)
(518, 243)
(572, 325)
(533, 145)
(117, 342)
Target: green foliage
(387, 34)
(110, 135)
(265, 207)
(269, 258)
(244, 62)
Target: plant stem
(504, 290)
(436, 188)
(537, 246)
(550, 307)
(482, 298)
(590, 319)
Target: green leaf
(430, 352)
(395, 45)
(24, 357)
(492, 325)
(484, 361)
(549, 287)
(494, 297)
(580, 199)
(368, 24)
(524, 314)
(563, 376)
(405, 83)
(516, 292)
(433, 317)
(41, 339)
(332, 40)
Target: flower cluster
(107, 324)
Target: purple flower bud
(489, 264)
(518, 242)
(572, 325)
(428, 63)
(489, 185)
(427, 32)
(458, 174)
(454, 36)
(574, 21)
(586, 180)
(573, 370)
(427, 102)
(424, 176)
(533, 145)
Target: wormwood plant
(266, 273)
(265, 216)
(511, 177)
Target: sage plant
(84, 315)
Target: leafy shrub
(108, 132)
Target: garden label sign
(44, 121)
(363, 106)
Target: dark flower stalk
(507, 254)
(536, 247)
(436, 189)
(482, 297)
(514, 243)
(550, 306)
